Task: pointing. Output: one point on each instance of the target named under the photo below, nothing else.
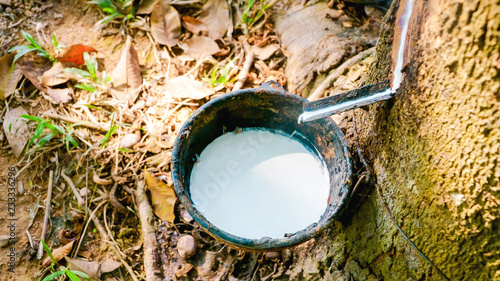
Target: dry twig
(47, 213)
(151, 256)
(244, 73)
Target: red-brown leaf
(74, 54)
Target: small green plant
(92, 82)
(112, 130)
(72, 274)
(249, 16)
(55, 130)
(32, 46)
(123, 10)
(222, 78)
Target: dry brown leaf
(187, 88)
(127, 78)
(109, 265)
(91, 268)
(16, 130)
(59, 253)
(194, 25)
(199, 47)
(62, 95)
(263, 53)
(146, 7)
(33, 68)
(165, 24)
(8, 76)
(215, 15)
(163, 198)
(54, 76)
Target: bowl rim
(265, 243)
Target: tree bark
(435, 151)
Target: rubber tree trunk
(435, 152)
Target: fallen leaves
(33, 68)
(127, 79)
(199, 47)
(54, 76)
(59, 253)
(193, 25)
(16, 130)
(163, 198)
(185, 87)
(215, 15)
(165, 24)
(74, 54)
(8, 76)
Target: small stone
(347, 24)
(4, 241)
(185, 216)
(29, 14)
(186, 246)
(129, 140)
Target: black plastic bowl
(268, 106)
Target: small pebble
(185, 216)
(129, 140)
(28, 14)
(347, 24)
(186, 246)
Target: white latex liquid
(256, 183)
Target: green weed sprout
(55, 130)
(112, 130)
(123, 9)
(222, 78)
(248, 18)
(72, 274)
(92, 82)
(33, 46)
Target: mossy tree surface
(435, 152)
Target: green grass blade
(53, 275)
(33, 118)
(90, 64)
(72, 275)
(31, 39)
(77, 71)
(46, 139)
(79, 273)
(46, 248)
(20, 54)
(86, 87)
(54, 41)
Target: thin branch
(330, 79)
(47, 213)
(74, 120)
(150, 246)
(244, 73)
